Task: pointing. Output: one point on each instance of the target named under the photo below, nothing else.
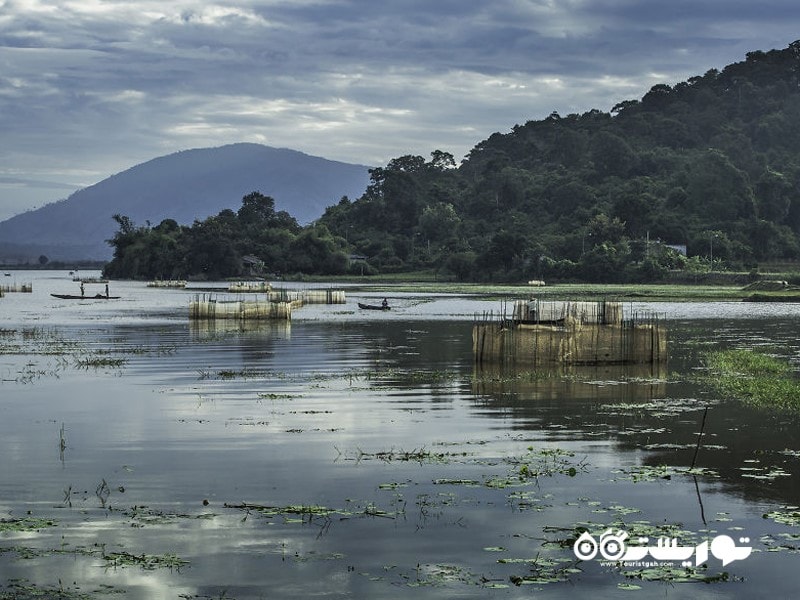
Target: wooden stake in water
(699, 438)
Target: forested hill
(712, 163)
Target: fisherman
(385, 303)
(82, 290)
(106, 290)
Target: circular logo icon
(612, 546)
(585, 547)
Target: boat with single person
(374, 306)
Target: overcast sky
(89, 88)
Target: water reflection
(568, 384)
(203, 330)
(409, 461)
(660, 411)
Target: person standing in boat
(385, 303)
(83, 291)
(106, 290)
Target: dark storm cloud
(90, 87)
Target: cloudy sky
(89, 88)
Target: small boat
(77, 297)
(373, 306)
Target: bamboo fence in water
(209, 307)
(250, 287)
(17, 287)
(167, 283)
(603, 312)
(283, 295)
(569, 333)
(308, 296)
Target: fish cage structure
(17, 287)
(250, 287)
(209, 307)
(167, 283)
(308, 296)
(546, 333)
(604, 312)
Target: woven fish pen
(17, 287)
(209, 307)
(250, 287)
(167, 283)
(583, 333)
(324, 297)
(283, 295)
(602, 312)
(308, 296)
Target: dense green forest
(712, 164)
(216, 247)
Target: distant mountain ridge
(186, 185)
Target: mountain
(187, 185)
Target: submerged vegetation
(48, 353)
(754, 377)
(26, 524)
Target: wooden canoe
(373, 307)
(76, 297)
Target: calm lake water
(354, 454)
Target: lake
(360, 454)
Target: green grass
(754, 377)
(419, 284)
(775, 296)
(578, 291)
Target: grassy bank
(414, 283)
(753, 377)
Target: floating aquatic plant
(21, 589)
(141, 516)
(99, 362)
(26, 524)
(786, 515)
(148, 562)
